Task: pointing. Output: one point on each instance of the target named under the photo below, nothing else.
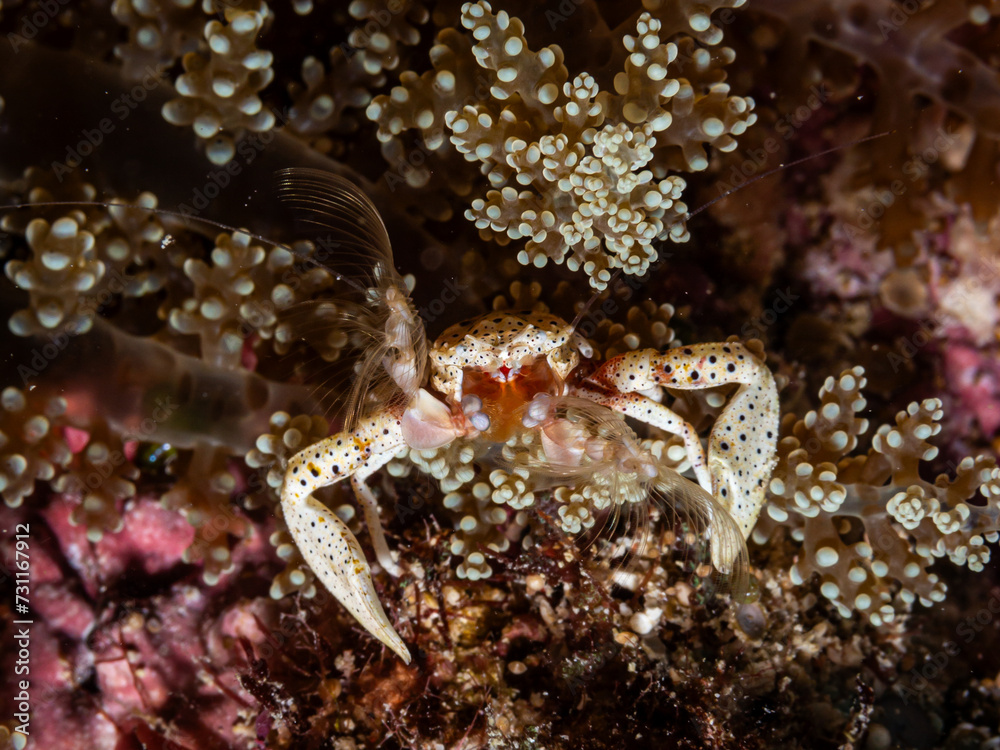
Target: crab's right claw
(333, 553)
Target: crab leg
(743, 442)
(327, 545)
(645, 409)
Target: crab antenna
(768, 173)
(592, 300)
(187, 218)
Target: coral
(921, 61)
(138, 651)
(12, 739)
(41, 185)
(315, 324)
(647, 325)
(158, 33)
(877, 564)
(203, 495)
(967, 275)
(63, 269)
(271, 454)
(476, 533)
(219, 88)
(114, 252)
(130, 248)
(227, 294)
(917, 55)
(242, 294)
(950, 289)
(475, 516)
(848, 267)
(236, 298)
(974, 380)
(321, 102)
(33, 448)
(388, 24)
(103, 478)
(583, 152)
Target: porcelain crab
(503, 375)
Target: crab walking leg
(327, 545)
(645, 409)
(648, 411)
(370, 507)
(743, 441)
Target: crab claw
(427, 423)
(333, 553)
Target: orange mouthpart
(504, 398)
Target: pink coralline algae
(140, 646)
(975, 381)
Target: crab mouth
(505, 374)
(504, 391)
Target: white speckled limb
(743, 441)
(327, 545)
(369, 506)
(647, 410)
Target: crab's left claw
(323, 539)
(335, 556)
